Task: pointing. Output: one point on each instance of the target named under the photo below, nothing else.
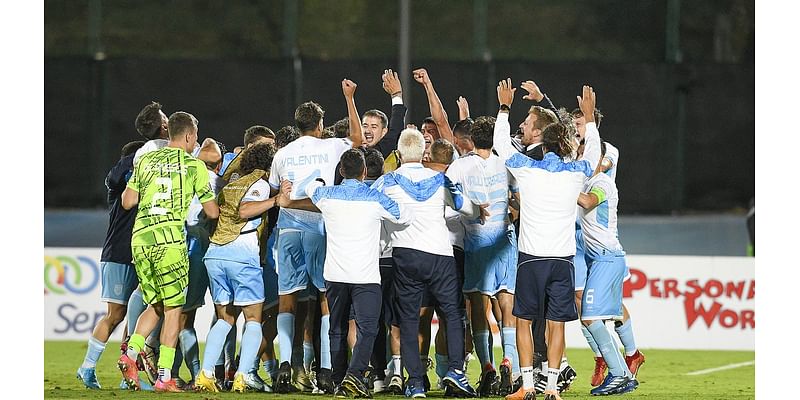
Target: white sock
(552, 379)
(396, 365)
(527, 377)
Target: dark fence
(685, 132)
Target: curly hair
(556, 138)
(257, 156)
(482, 132)
(341, 128)
(148, 122)
(286, 135)
(328, 133)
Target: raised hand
(505, 92)
(421, 76)
(463, 108)
(587, 103)
(534, 93)
(348, 88)
(391, 83)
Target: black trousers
(366, 302)
(379, 359)
(416, 270)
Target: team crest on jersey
(234, 176)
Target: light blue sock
(325, 342)
(136, 307)
(308, 355)
(230, 346)
(190, 350)
(442, 366)
(214, 342)
(251, 340)
(271, 367)
(590, 340)
(481, 339)
(94, 349)
(509, 336)
(616, 364)
(625, 332)
(285, 323)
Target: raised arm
(502, 128)
(592, 151)
(535, 94)
(438, 113)
(349, 90)
(392, 86)
(463, 108)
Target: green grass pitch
(661, 377)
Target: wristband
(505, 107)
(397, 93)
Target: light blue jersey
(304, 161)
(484, 181)
(490, 262)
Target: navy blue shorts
(545, 288)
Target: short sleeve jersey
(599, 225)
(484, 181)
(166, 179)
(303, 161)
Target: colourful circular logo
(77, 275)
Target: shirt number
(165, 194)
(588, 296)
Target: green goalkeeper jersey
(166, 179)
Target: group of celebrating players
(346, 240)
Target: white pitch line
(722, 368)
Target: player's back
(484, 181)
(166, 179)
(303, 161)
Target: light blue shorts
(579, 261)
(198, 276)
(492, 269)
(119, 281)
(231, 281)
(300, 259)
(602, 296)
